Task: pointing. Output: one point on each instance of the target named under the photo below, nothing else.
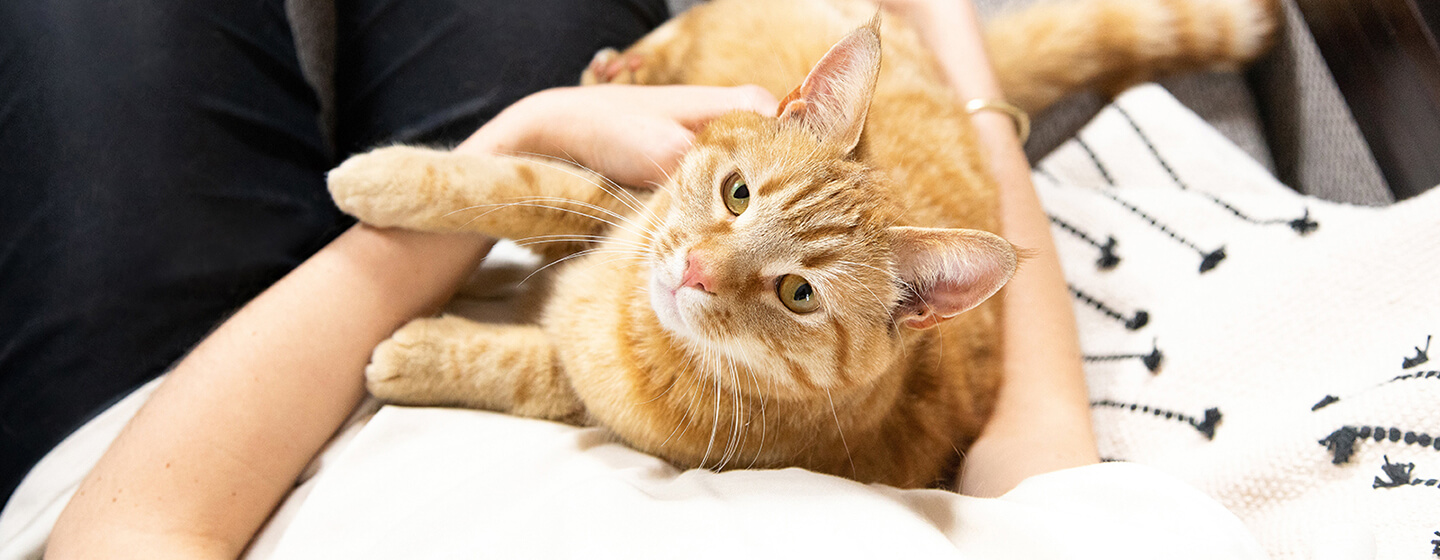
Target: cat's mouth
(665, 299)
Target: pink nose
(696, 275)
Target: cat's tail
(1056, 48)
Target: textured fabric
(1291, 117)
(678, 6)
(1267, 347)
(1317, 146)
(1223, 100)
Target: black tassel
(1341, 442)
(1327, 401)
(1209, 260)
(1421, 356)
(1153, 360)
(1207, 426)
(1138, 321)
(1108, 258)
(1399, 474)
(1304, 225)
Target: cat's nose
(696, 274)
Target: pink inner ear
(835, 97)
(951, 271)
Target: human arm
(201, 466)
(1041, 421)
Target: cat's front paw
(596, 72)
(610, 66)
(383, 187)
(406, 368)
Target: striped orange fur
(676, 333)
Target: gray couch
(1286, 111)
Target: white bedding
(1240, 353)
(427, 483)
(1282, 321)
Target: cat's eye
(797, 294)
(736, 194)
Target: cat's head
(775, 248)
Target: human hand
(634, 135)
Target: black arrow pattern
(1205, 425)
(1303, 225)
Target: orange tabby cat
(773, 305)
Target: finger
(660, 155)
(693, 106)
(713, 102)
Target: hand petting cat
(633, 135)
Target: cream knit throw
(1268, 348)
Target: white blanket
(1222, 370)
(1312, 301)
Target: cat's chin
(664, 301)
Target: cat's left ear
(948, 271)
(835, 97)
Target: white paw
(403, 367)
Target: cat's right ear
(835, 97)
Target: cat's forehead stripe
(804, 190)
(821, 259)
(815, 233)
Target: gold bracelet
(1022, 120)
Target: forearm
(1041, 421)
(222, 441)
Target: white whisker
(853, 474)
(657, 165)
(714, 424)
(618, 189)
(501, 206)
(604, 183)
(580, 239)
(582, 204)
(568, 257)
